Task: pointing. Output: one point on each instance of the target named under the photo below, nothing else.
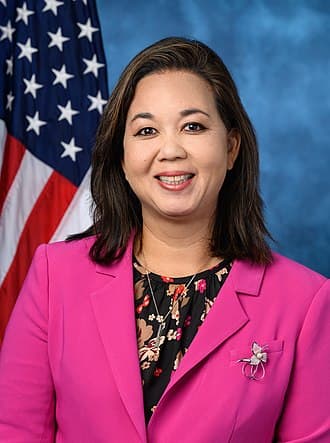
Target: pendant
(161, 327)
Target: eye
(194, 127)
(146, 131)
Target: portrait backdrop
(278, 54)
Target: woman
(169, 319)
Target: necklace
(161, 318)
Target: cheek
(135, 159)
(134, 171)
(214, 163)
(214, 175)
(129, 163)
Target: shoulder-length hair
(239, 230)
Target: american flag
(53, 88)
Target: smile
(174, 179)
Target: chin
(171, 212)
(177, 213)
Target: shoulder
(293, 272)
(283, 282)
(70, 260)
(65, 255)
(293, 283)
(281, 274)
(68, 248)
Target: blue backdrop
(278, 53)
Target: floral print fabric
(189, 303)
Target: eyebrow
(184, 113)
(187, 112)
(146, 115)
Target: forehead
(172, 89)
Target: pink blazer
(69, 369)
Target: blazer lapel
(225, 318)
(113, 307)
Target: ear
(234, 143)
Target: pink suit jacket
(69, 369)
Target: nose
(171, 148)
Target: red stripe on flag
(13, 154)
(39, 228)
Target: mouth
(174, 179)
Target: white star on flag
(7, 32)
(97, 102)
(67, 112)
(23, 14)
(57, 39)
(3, 2)
(35, 123)
(27, 50)
(70, 149)
(52, 5)
(10, 65)
(92, 65)
(61, 76)
(10, 99)
(86, 30)
(32, 86)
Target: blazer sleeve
(306, 415)
(26, 389)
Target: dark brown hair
(239, 230)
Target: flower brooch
(254, 367)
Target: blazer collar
(247, 277)
(114, 311)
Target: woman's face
(176, 148)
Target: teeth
(174, 179)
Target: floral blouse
(189, 299)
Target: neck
(175, 249)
